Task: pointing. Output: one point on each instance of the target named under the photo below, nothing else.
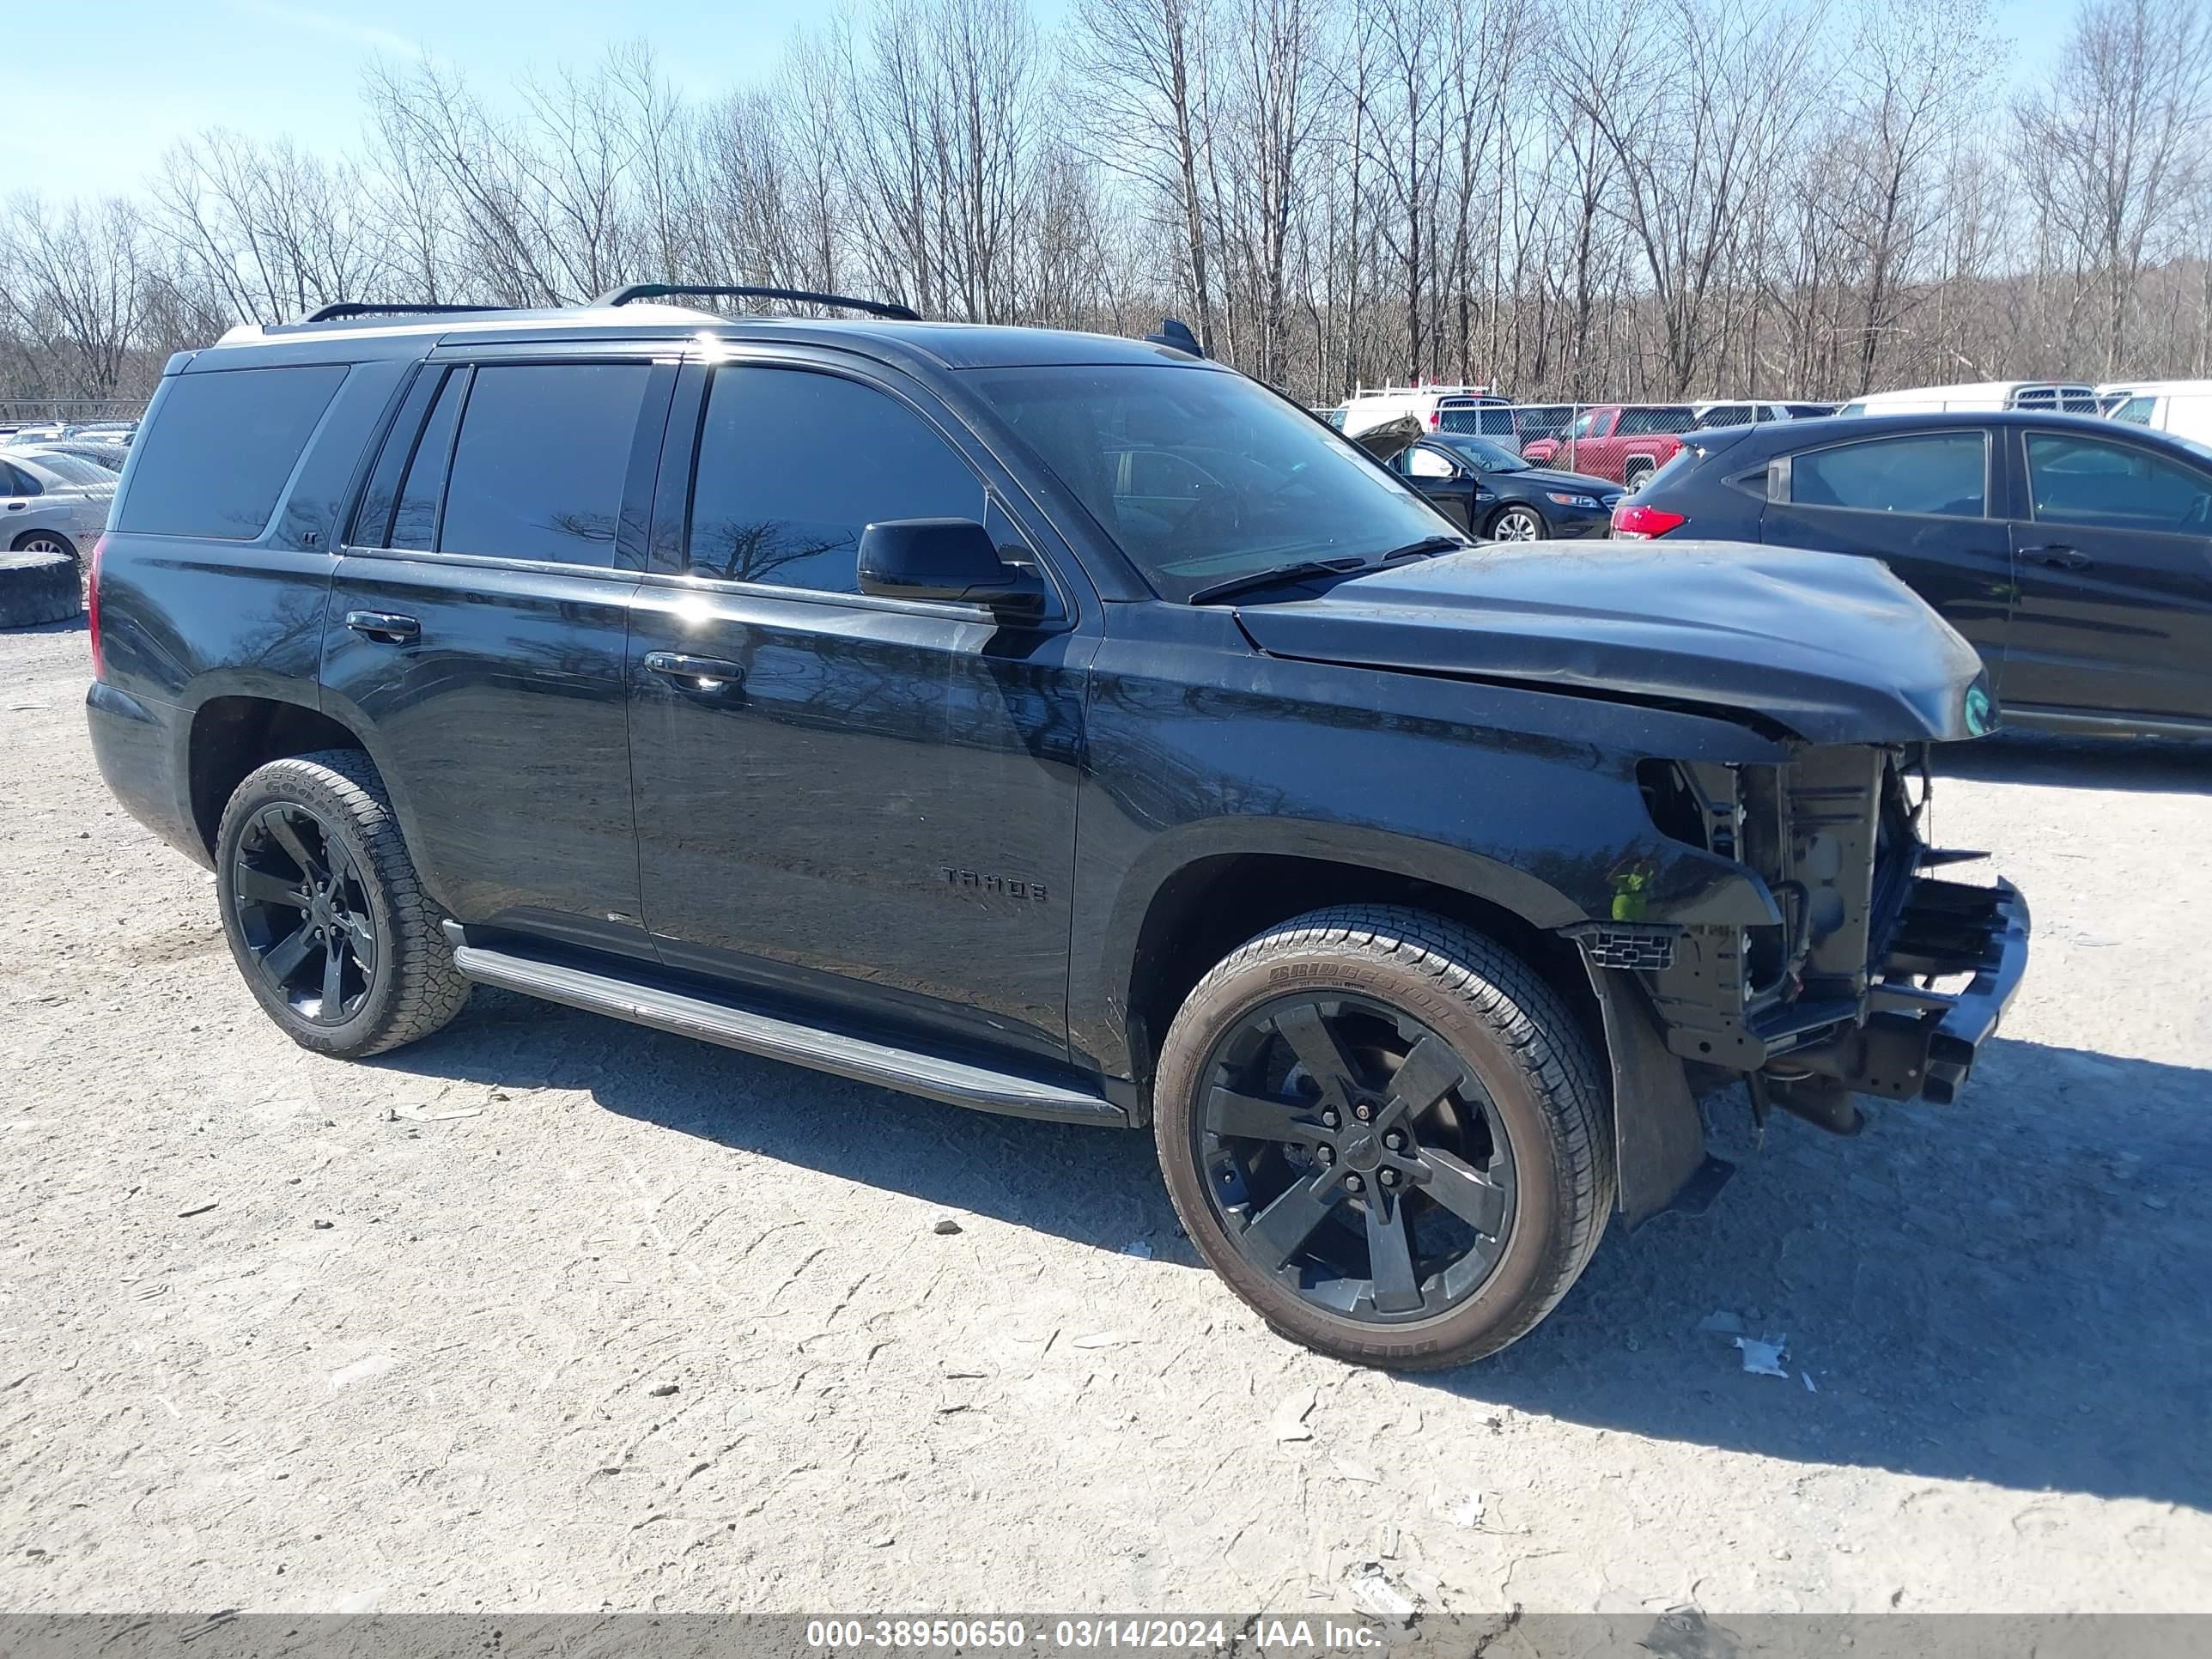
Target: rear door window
(538, 469)
(2087, 481)
(793, 465)
(1941, 473)
(223, 443)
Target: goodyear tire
(1388, 1134)
(324, 913)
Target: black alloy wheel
(1387, 1133)
(1354, 1158)
(324, 912)
(304, 914)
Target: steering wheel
(1212, 506)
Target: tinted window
(2136, 410)
(2087, 481)
(415, 520)
(1943, 473)
(538, 473)
(1663, 419)
(221, 447)
(792, 466)
(1808, 411)
(14, 480)
(1728, 415)
(1488, 420)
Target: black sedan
(1488, 490)
(2075, 553)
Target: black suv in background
(1051, 724)
(2075, 553)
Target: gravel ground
(551, 1313)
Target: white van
(2181, 407)
(2062, 397)
(1474, 409)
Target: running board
(933, 1076)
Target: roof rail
(623, 296)
(340, 308)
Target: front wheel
(1388, 1134)
(324, 913)
(1518, 524)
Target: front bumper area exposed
(1921, 1042)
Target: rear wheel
(1387, 1136)
(1636, 474)
(323, 911)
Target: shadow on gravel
(76, 624)
(2147, 765)
(2018, 1291)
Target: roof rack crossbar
(635, 291)
(342, 309)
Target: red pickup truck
(1624, 442)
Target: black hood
(1831, 646)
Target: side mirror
(949, 560)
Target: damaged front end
(1879, 977)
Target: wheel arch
(1209, 904)
(232, 734)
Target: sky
(97, 92)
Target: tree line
(1565, 199)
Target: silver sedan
(52, 503)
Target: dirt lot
(550, 1313)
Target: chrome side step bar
(958, 1082)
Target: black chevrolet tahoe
(1056, 724)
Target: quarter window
(2136, 410)
(537, 471)
(1944, 474)
(221, 445)
(793, 465)
(2087, 481)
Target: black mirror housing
(948, 560)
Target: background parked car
(2183, 408)
(2064, 397)
(1622, 443)
(1429, 405)
(1746, 411)
(1489, 491)
(2075, 553)
(104, 453)
(52, 503)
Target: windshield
(1484, 456)
(1200, 476)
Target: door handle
(384, 627)
(710, 675)
(2058, 556)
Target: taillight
(1632, 521)
(92, 610)
(1436, 417)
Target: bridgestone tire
(1522, 1044)
(415, 989)
(38, 587)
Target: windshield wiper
(1304, 570)
(1425, 547)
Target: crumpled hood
(1832, 647)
